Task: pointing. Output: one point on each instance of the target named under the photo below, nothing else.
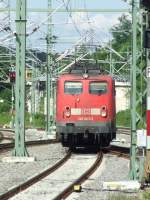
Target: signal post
(146, 6)
(147, 45)
(147, 163)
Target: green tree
(121, 34)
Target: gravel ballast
(51, 186)
(113, 168)
(15, 173)
(30, 135)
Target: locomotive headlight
(103, 111)
(67, 111)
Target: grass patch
(122, 197)
(139, 196)
(123, 118)
(37, 122)
(146, 196)
(5, 118)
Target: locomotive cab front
(85, 110)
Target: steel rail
(64, 194)
(7, 130)
(124, 130)
(122, 127)
(10, 193)
(29, 143)
(115, 150)
(3, 137)
(123, 152)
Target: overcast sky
(71, 29)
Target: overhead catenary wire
(34, 29)
(70, 14)
(70, 51)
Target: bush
(4, 107)
(5, 95)
(39, 120)
(123, 118)
(5, 118)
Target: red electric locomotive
(86, 110)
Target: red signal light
(12, 76)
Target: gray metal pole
(147, 161)
(110, 59)
(20, 149)
(12, 106)
(133, 171)
(49, 73)
(33, 94)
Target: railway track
(58, 182)
(65, 169)
(7, 146)
(118, 151)
(7, 130)
(124, 130)
(120, 130)
(123, 152)
(67, 191)
(115, 150)
(15, 190)
(6, 134)
(10, 144)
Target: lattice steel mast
(20, 149)
(49, 72)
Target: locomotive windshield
(97, 88)
(73, 87)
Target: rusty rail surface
(10, 193)
(64, 194)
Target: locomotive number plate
(86, 111)
(85, 118)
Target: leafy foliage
(5, 118)
(5, 95)
(4, 107)
(38, 120)
(122, 35)
(123, 118)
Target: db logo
(86, 111)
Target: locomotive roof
(79, 76)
